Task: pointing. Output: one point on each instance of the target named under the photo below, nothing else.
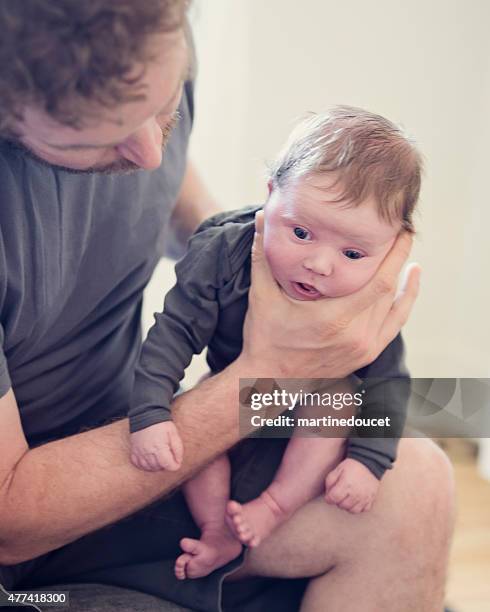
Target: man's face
(317, 247)
(126, 138)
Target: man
(91, 95)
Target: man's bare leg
(393, 557)
(299, 479)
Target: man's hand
(351, 486)
(158, 447)
(328, 338)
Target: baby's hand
(351, 486)
(158, 447)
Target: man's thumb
(260, 270)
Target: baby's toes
(180, 566)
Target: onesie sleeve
(183, 329)
(385, 385)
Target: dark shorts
(139, 552)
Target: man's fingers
(383, 282)
(261, 274)
(402, 306)
(397, 256)
(258, 242)
(407, 276)
(382, 321)
(259, 222)
(409, 288)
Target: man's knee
(428, 470)
(425, 498)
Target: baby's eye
(301, 233)
(351, 254)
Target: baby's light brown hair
(368, 154)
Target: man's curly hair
(60, 54)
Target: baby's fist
(351, 486)
(158, 447)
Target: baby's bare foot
(255, 520)
(201, 557)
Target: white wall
(423, 63)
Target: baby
(344, 186)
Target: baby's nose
(322, 264)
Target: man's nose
(144, 147)
(322, 262)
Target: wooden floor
(469, 572)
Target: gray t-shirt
(207, 307)
(76, 251)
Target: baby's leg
(299, 479)
(207, 495)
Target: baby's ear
(270, 186)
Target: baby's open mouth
(306, 290)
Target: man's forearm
(67, 488)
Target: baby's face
(317, 247)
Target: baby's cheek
(358, 278)
(278, 257)
(275, 266)
(367, 273)
(270, 256)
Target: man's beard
(121, 166)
